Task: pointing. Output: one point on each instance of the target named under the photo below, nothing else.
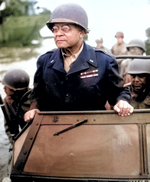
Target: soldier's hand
(29, 115)
(123, 108)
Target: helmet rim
(136, 43)
(69, 13)
(16, 79)
(64, 20)
(139, 66)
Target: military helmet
(139, 66)
(16, 79)
(119, 34)
(69, 13)
(136, 43)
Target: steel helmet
(136, 43)
(16, 79)
(69, 13)
(139, 66)
(119, 34)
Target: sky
(106, 17)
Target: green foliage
(17, 28)
(85, 37)
(13, 9)
(20, 31)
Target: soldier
(147, 42)
(75, 76)
(139, 71)
(99, 43)
(120, 47)
(134, 47)
(16, 102)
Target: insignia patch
(88, 74)
(52, 61)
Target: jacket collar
(86, 57)
(56, 61)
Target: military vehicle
(83, 146)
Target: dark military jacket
(92, 80)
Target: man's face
(8, 91)
(67, 35)
(138, 81)
(135, 51)
(119, 40)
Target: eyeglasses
(64, 28)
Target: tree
(13, 8)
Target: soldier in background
(139, 71)
(75, 76)
(134, 47)
(16, 102)
(147, 42)
(120, 47)
(99, 43)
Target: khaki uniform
(140, 102)
(105, 49)
(119, 50)
(124, 67)
(15, 116)
(14, 120)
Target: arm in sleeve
(117, 91)
(38, 86)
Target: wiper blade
(70, 127)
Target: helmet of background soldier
(136, 43)
(139, 66)
(16, 79)
(69, 13)
(119, 34)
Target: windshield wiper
(70, 127)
